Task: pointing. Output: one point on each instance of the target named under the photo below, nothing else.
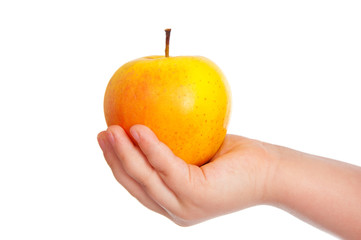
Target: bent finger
(173, 170)
(136, 165)
(122, 177)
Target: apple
(184, 100)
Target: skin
(243, 173)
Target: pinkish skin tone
(245, 172)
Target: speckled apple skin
(186, 101)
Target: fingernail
(135, 134)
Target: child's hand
(243, 173)
(234, 179)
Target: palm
(243, 153)
(231, 172)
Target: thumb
(172, 169)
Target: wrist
(286, 176)
(272, 176)
(266, 159)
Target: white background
(294, 68)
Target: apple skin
(184, 100)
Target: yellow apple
(184, 100)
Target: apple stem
(167, 37)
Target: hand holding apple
(186, 102)
(167, 116)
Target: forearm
(323, 192)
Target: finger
(136, 165)
(104, 144)
(173, 170)
(122, 177)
